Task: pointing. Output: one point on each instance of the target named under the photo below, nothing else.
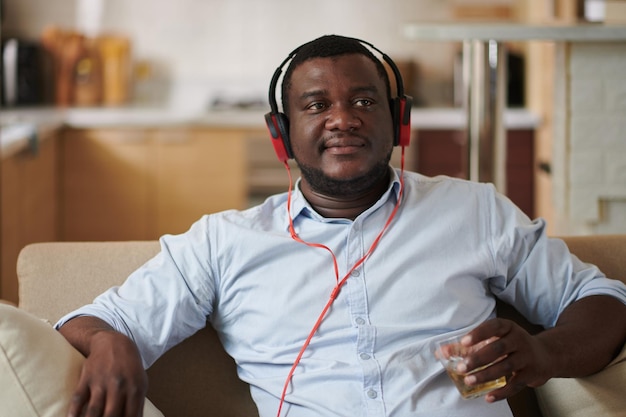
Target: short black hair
(325, 47)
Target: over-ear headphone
(278, 123)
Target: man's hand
(587, 336)
(518, 356)
(113, 382)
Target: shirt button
(372, 394)
(360, 321)
(364, 356)
(355, 273)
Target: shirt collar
(301, 207)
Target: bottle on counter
(116, 69)
(65, 48)
(87, 75)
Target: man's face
(341, 128)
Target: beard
(323, 184)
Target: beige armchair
(197, 378)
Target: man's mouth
(343, 145)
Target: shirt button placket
(370, 369)
(366, 333)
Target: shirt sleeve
(537, 274)
(166, 300)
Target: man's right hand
(113, 382)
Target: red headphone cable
(339, 283)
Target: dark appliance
(515, 80)
(23, 73)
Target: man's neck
(344, 207)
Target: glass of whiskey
(451, 353)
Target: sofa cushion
(58, 277)
(601, 394)
(38, 368)
(193, 379)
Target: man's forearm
(112, 376)
(80, 330)
(587, 336)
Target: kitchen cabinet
(443, 152)
(29, 204)
(266, 174)
(140, 183)
(197, 171)
(105, 184)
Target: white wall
(590, 147)
(197, 45)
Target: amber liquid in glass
(471, 391)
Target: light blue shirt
(452, 246)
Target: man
(406, 261)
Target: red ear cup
(401, 114)
(278, 126)
(403, 121)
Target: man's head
(338, 117)
(326, 47)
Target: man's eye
(364, 102)
(315, 106)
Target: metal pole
(499, 70)
(471, 105)
(484, 74)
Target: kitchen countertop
(19, 126)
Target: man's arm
(588, 335)
(112, 381)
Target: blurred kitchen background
(198, 53)
(192, 54)
(127, 119)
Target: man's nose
(342, 117)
